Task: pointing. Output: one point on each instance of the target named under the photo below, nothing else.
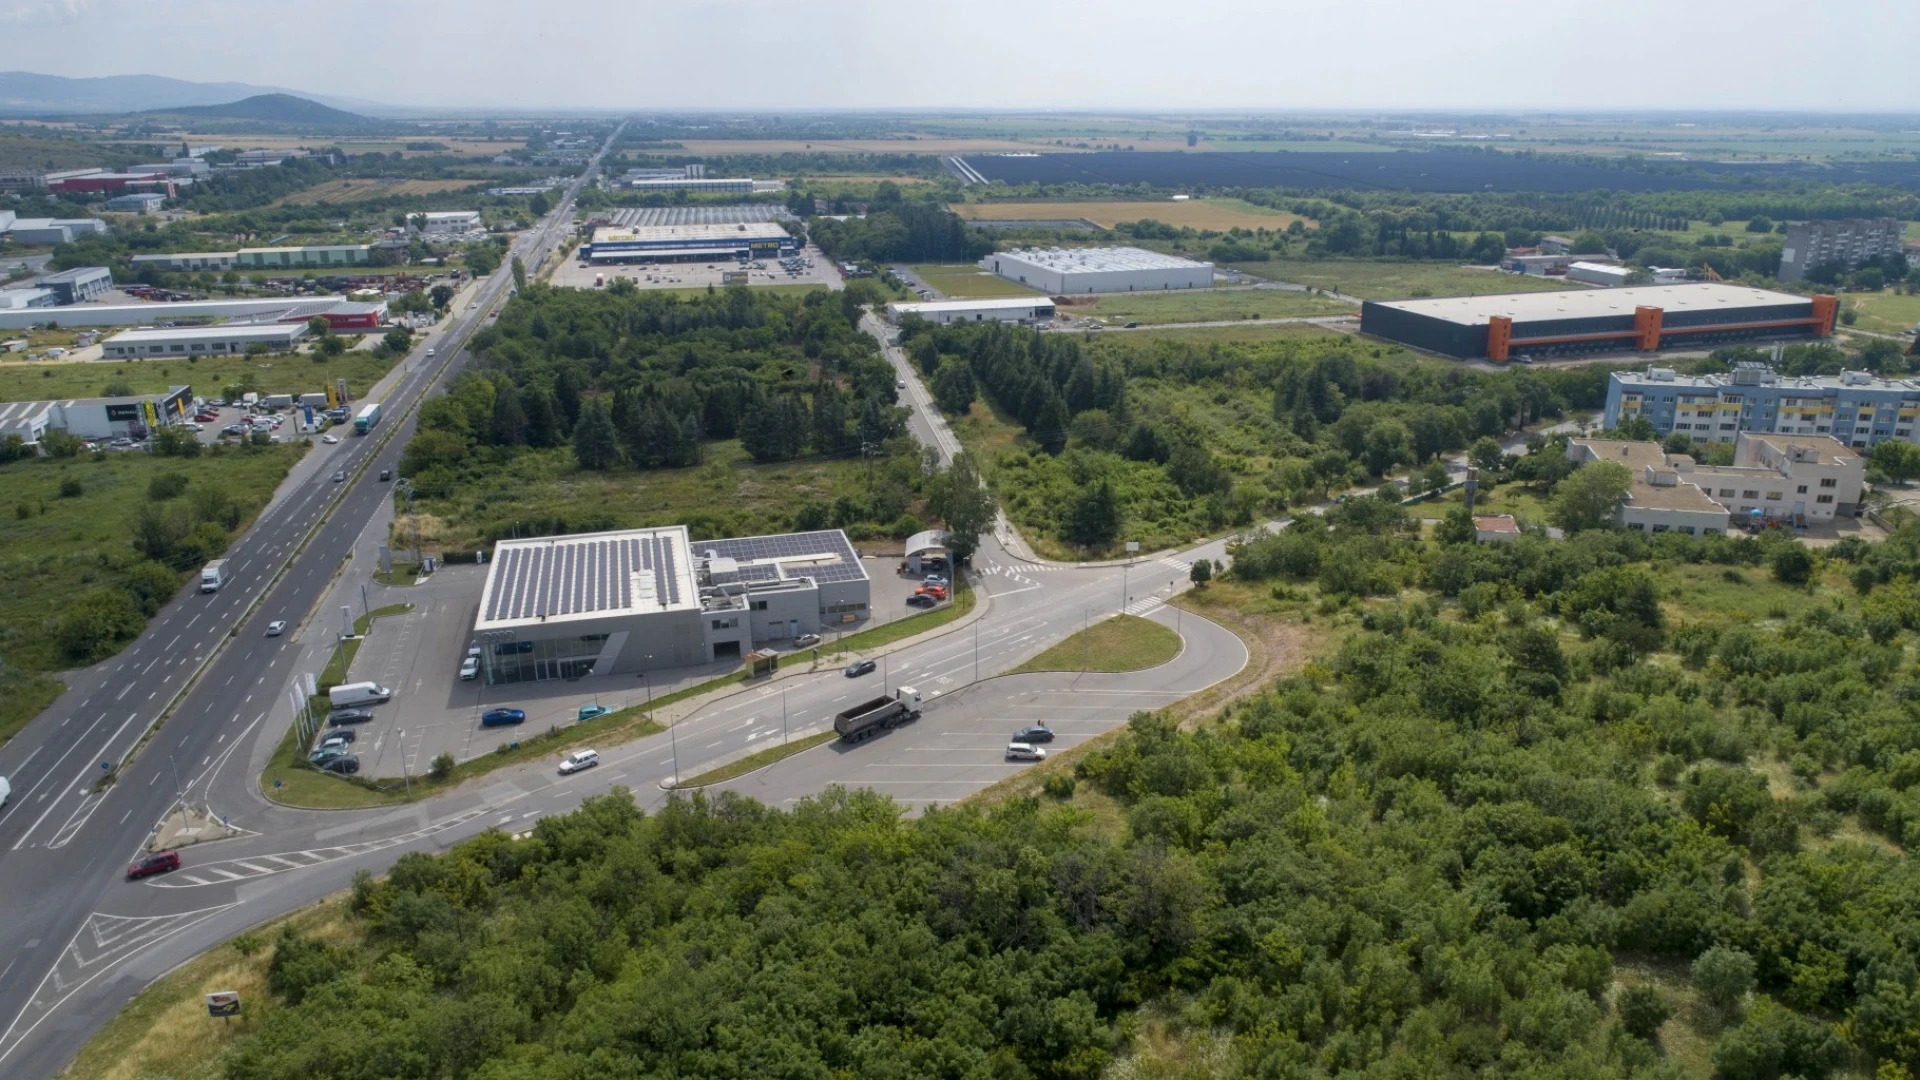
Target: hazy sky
(1022, 54)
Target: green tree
(1723, 975)
(1897, 460)
(520, 268)
(953, 387)
(1456, 528)
(1093, 517)
(1588, 498)
(1791, 563)
(440, 296)
(595, 445)
(1488, 456)
(1200, 572)
(962, 500)
(397, 340)
(1643, 1011)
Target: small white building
(1596, 273)
(1014, 309)
(202, 340)
(1060, 271)
(452, 222)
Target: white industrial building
(637, 600)
(1061, 271)
(729, 185)
(1016, 309)
(52, 230)
(94, 418)
(1595, 273)
(147, 314)
(202, 340)
(452, 221)
(1796, 479)
(187, 260)
(26, 299)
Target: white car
(329, 439)
(470, 668)
(578, 760)
(276, 628)
(1019, 751)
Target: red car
(157, 863)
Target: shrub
(1642, 1011)
(441, 767)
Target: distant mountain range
(26, 93)
(275, 108)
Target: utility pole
(783, 716)
(976, 650)
(406, 776)
(364, 609)
(179, 793)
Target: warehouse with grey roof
(637, 600)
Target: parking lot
(434, 711)
(816, 269)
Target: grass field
(1885, 312)
(1249, 334)
(1121, 643)
(1207, 305)
(54, 548)
(967, 281)
(1218, 214)
(345, 191)
(1389, 280)
(39, 381)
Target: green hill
(278, 109)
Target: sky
(1507, 55)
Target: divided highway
(64, 838)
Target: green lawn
(1207, 305)
(1121, 643)
(55, 548)
(1385, 279)
(1885, 312)
(24, 381)
(965, 281)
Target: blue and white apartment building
(1856, 408)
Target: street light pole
(783, 716)
(406, 776)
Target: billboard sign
(223, 1003)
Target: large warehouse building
(147, 314)
(202, 340)
(1020, 309)
(1644, 317)
(1059, 271)
(639, 600)
(683, 243)
(94, 418)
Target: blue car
(502, 717)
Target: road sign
(223, 1003)
(1133, 546)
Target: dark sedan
(1034, 734)
(859, 668)
(339, 717)
(502, 717)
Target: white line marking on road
(123, 692)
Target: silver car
(1019, 751)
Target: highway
(64, 841)
(81, 941)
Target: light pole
(783, 716)
(976, 650)
(401, 735)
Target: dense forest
(897, 229)
(1161, 441)
(1530, 817)
(623, 379)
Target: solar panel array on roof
(824, 556)
(579, 577)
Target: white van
(358, 693)
(579, 759)
(6, 791)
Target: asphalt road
(80, 941)
(62, 842)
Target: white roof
(452, 215)
(162, 335)
(1593, 303)
(741, 231)
(1098, 259)
(1009, 303)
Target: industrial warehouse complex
(637, 600)
(93, 418)
(203, 340)
(682, 243)
(337, 310)
(1855, 408)
(1643, 317)
(1014, 309)
(1059, 271)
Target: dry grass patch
(345, 191)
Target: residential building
(1643, 317)
(1793, 479)
(1495, 528)
(1014, 309)
(1856, 408)
(1060, 271)
(1844, 244)
(80, 284)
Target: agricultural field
(21, 380)
(1217, 214)
(345, 191)
(965, 281)
(1885, 312)
(1385, 279)
(1207, 305)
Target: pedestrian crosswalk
(1019, 569)
(1179, 564)
(1144, 605)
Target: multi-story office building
(1845, 244)
(1855, 407)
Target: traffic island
(1112, 645)
(185, 826)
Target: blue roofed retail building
(638, 600)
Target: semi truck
(875, 715)
(213, 575)
(368, 416)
